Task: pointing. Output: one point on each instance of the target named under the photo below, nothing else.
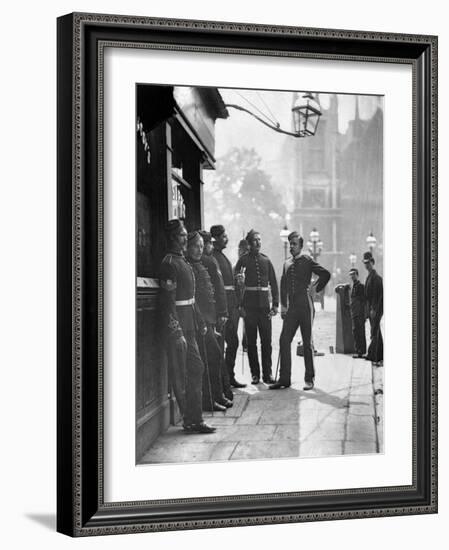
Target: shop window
(178, 204)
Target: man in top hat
(255, 275)
(297, 309)
(177, 302)
(220, 242)
(357, 305)
(374, 298)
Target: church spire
(357, 124)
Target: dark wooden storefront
(174, 144)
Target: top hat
(367, 258)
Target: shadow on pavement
(327, 398)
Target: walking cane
(277, 366)
(243, 273)
(220, 329)
(243, 347)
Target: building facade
(334, 184)
(175, 142)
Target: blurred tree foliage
(239, 195)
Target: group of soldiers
(202, 299)
(366, 301)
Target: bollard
(344, 338)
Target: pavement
(342, 415)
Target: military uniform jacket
(258, 275)
(221, 305)
(374, 294)
(204, 292)
(177, 295)
(296, 279)
(358, 302)
(228, 278)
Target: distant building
(361, 184)
(335, 184)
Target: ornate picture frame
(81, 508)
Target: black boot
(235, 384)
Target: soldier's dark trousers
(212, 379)
(358, 333)
(225, 379)
(186, 377)
(258, 319)
(376, 346)
(232, 340)
(298, 315)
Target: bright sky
(241, 130)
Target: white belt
(185, 302)
(229, 287)
(256, 288)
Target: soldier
(243, 249)
(178, 310)
(220, 241)
(297, 309)
(221, 309)
(211, 299)
(211, 264)
(254, 272)
(374, 299)
(358, 317)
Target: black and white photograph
(259, 274)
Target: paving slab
(264, 394)
(252, 412)
(359, 447)
(362, 408)
(249, 433)
(239, 404)
(378, 386)
(361, 390)
(189, 452)
(219, 419)
(287, 416)
(337, 417)
(319, 399)
(274, 449)
(175, 436)
(287, 432)
(326, 430)
(360, 428)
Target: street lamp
(352, 259)
(315, 245)
(283, 234)
(371, 241)
(306, 115)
